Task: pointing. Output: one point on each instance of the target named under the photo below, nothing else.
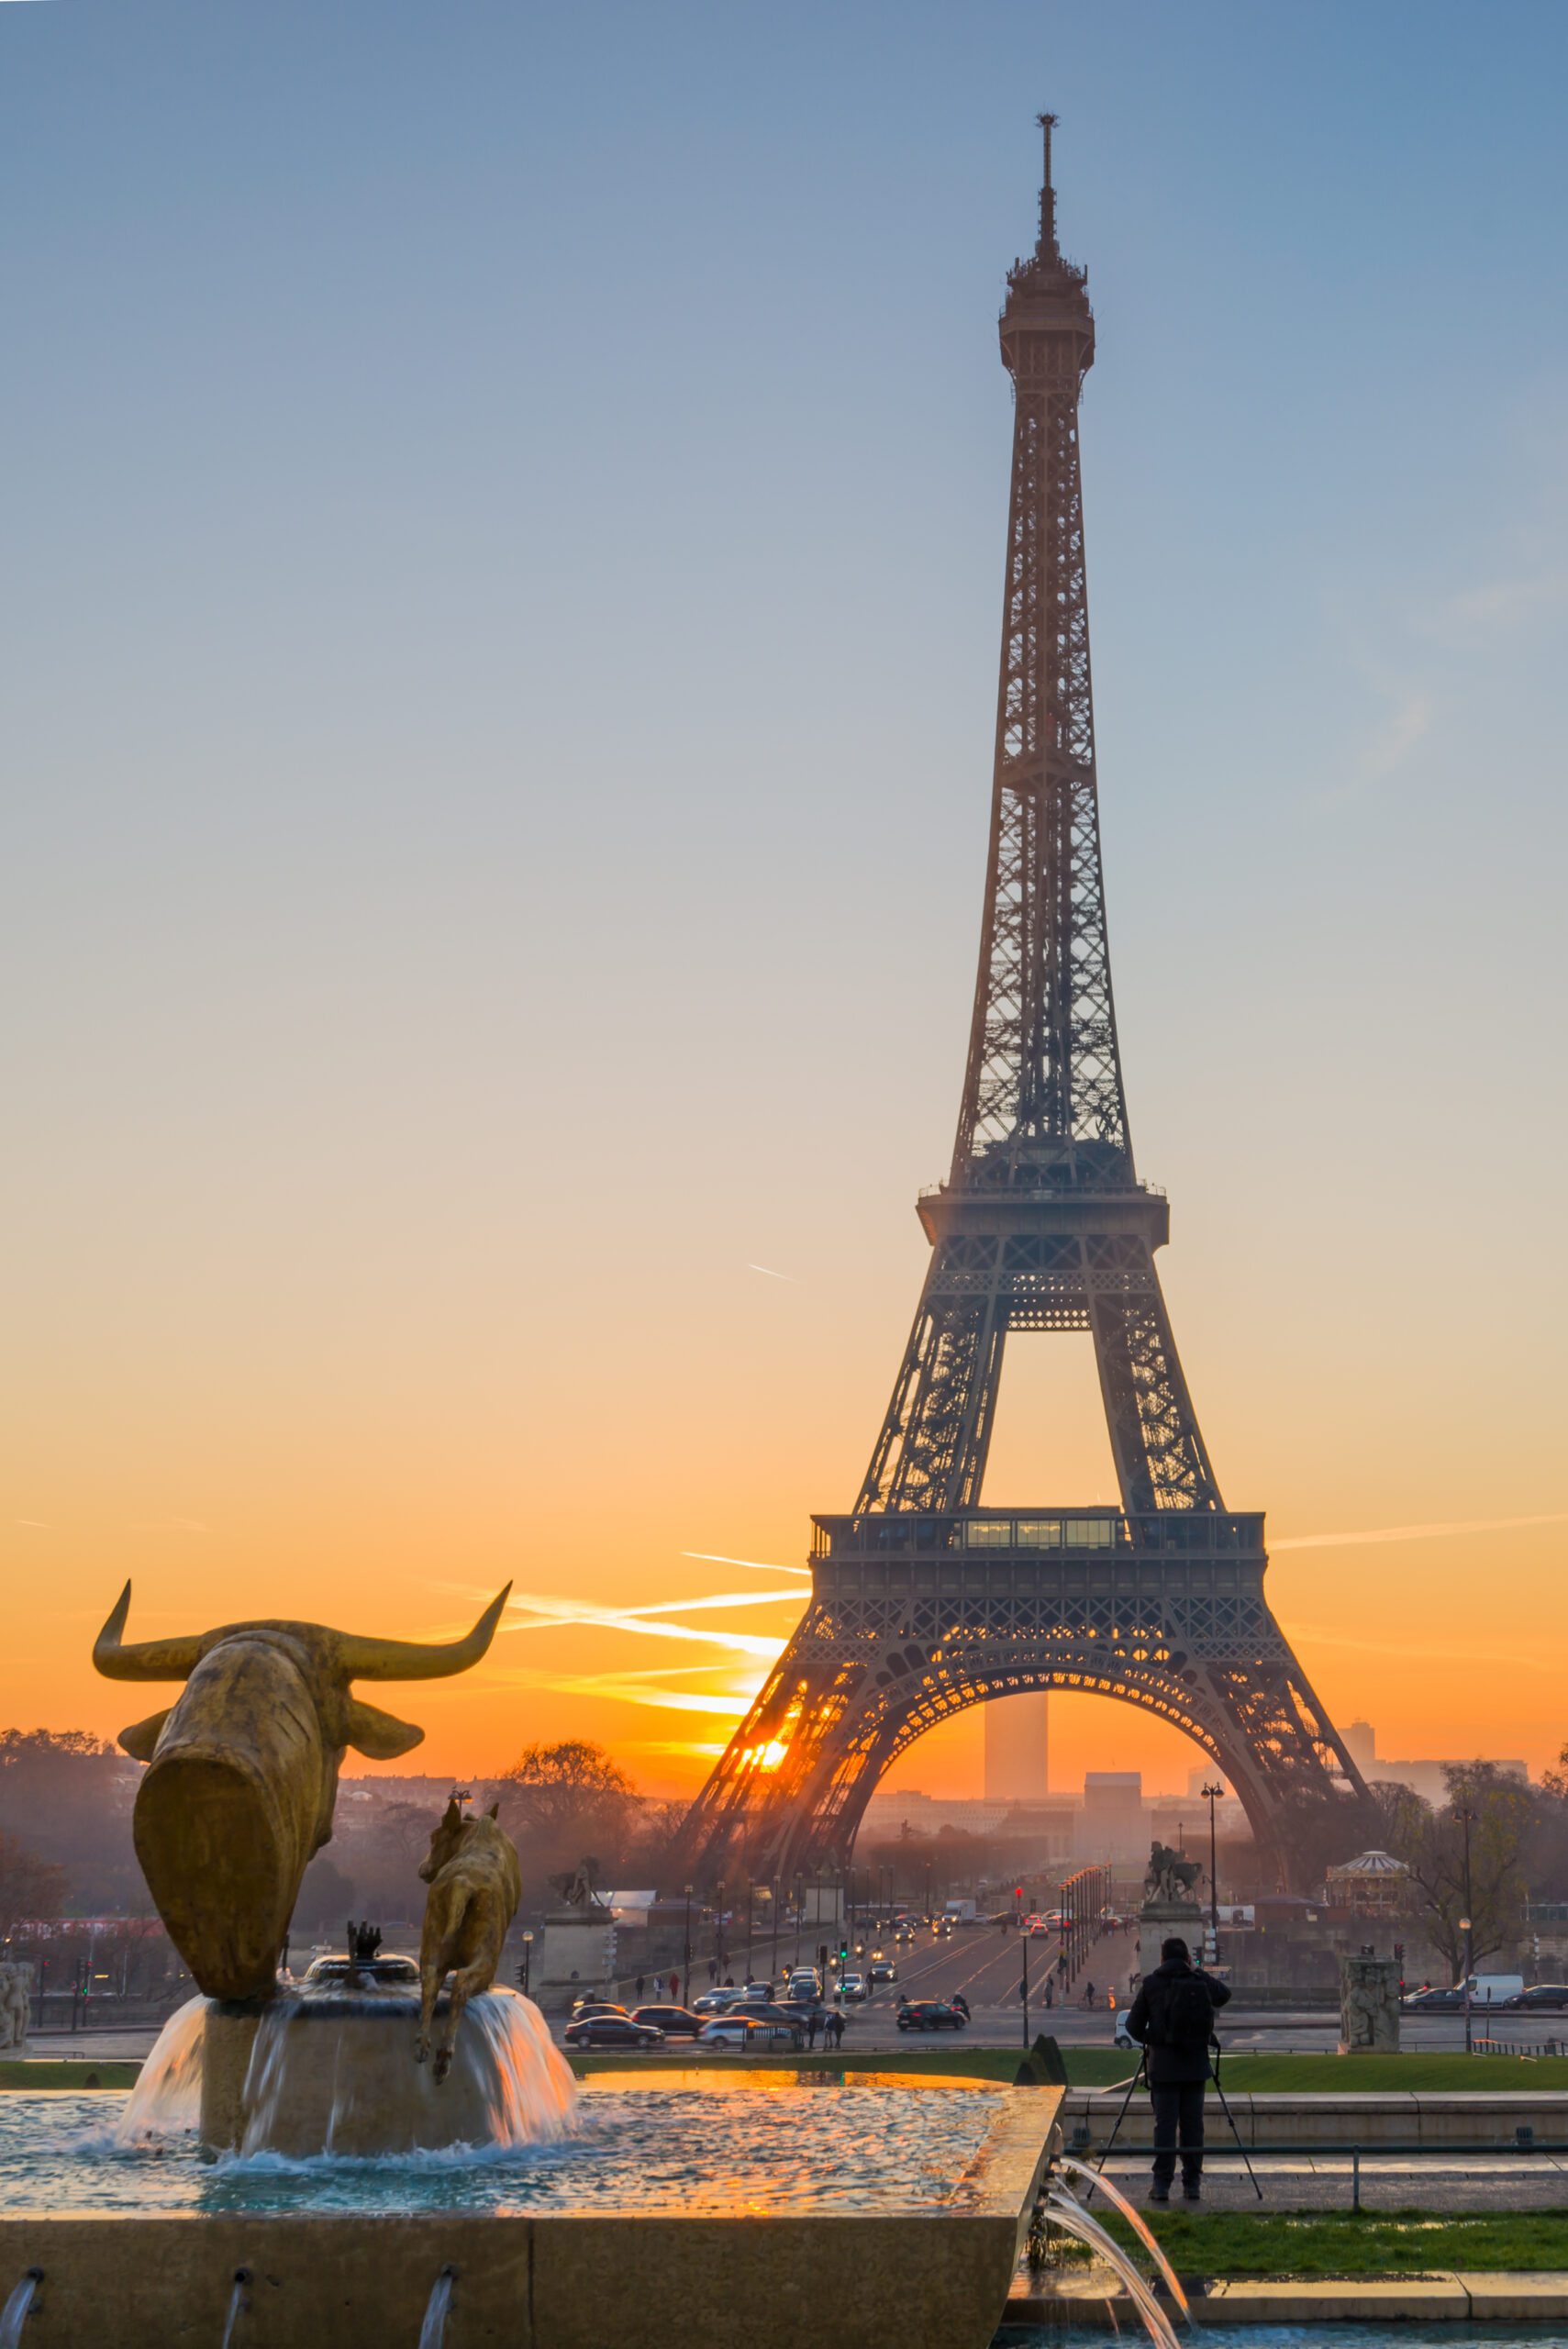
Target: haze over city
(494, 899)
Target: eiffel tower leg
(1158, 1451)
(931, 1453)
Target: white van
(1491, 1989)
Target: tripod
(1141, 2076)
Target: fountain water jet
(1073, 2220)
(14, 2314)
(238, 2304)
(1136, 2221)
(433, 2332)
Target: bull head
(242, 1773)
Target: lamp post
(524, 1968)
(686, 1968)
(1466, 1926)
(1211, 1794)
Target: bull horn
(413, 1659)
(147, 1659)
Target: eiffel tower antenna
(923, 1601)
(1047, 249)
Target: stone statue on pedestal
(16, 2008)
(1369, 2006)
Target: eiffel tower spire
(923, 1601)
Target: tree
(563, 1800)
(549, 1786)
(1465, 1860)
(29, 1887)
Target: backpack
(1182, 2013)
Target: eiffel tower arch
(923, 1601)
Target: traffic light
(822, 1954)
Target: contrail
(773, 1276)
(598, 1619)
(1415, 1533)
(717, 1558)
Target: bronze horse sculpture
(242, 1774)
(475, 1885)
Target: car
(763, 2010)
(1542, 1998)
(929, 2014)
(1122, 2036)
(715, 2002)
(580, 2007)
(611, 2031)
(758, 1991)
(746, 2033)
(805, 1983)
(881, 1969)
(675, 2022)
(853, 1988)
(1433, 2002)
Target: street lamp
(1466, 1821)
(686, 1969)
(1211, 1794)
(523, 1969)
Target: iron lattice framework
(923, 1602)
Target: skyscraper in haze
(1018, 1739)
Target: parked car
(881, 1969)
(611, 2031)
(675, 2022)
(1433, 2002)
(853, 1988)
(746, 2033)
(1542, 1998)
(929, 2014)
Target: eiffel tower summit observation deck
(923, 1601)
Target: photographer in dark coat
(1174, 2017)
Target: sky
(505, 513)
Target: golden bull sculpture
(475, 1885)
(242, 1774)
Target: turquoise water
(853, 2149)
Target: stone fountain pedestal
(332, 2069)
(1158, 1920)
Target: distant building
(1017, 1748)
(1430, 1780)
(1111, 1824)
(1360, 1742)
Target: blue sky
(504, 517)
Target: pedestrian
(659, 1986)
(1050, 1992)
(713, 1969)
(640, 1989)
(811, 2029)
(960, 2004)
(675, 1989)
(1133, 1979)
(1173, 2016)
(730, 1981)
(835, 2023)
(1088, 1994)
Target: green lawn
(1316, 2243)
(1342, 2075)
(41, 2074)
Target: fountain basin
(699, 2248)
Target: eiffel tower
(923, 1601)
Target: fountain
(289, 2173)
